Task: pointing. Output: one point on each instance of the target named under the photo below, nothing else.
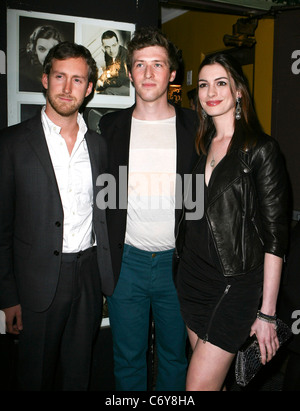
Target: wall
(263, 76)
(286, 92)
(197, 33)
(141, 12)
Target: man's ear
(45, 81)
(172, 76)
(89, 89)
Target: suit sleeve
(8, 290)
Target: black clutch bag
(248, 360)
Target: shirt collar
(50, 127)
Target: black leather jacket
(247, 207)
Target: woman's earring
(238, 109)
(204, 114)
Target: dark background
(286, 96)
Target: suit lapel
(180, 144)
(36, 138)
(94, 155)
(121, 142)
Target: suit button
(58, 224)
(56, 252)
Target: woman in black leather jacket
(231, 260)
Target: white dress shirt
(74, 179)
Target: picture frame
(25, 56)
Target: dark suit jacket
(116, 128)
(31, 217)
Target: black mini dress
(218, 309)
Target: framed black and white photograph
(36, 38)
(108, 48)
(31, 35)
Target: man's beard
(64, 109)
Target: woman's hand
(267, 338)
(266, 331)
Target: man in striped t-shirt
(154, 142)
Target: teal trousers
(146, 282)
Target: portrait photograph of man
(108, 47)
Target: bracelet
(268, 318)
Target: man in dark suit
(154, 141)
(52, 275)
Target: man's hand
(13, 319)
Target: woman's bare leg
(208, 367)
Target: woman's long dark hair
(249, 121)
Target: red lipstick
(213, 103)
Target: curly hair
(151, 36)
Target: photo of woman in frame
(36, 37)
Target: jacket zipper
(256, 229)
(214, 312)
(243, 241)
